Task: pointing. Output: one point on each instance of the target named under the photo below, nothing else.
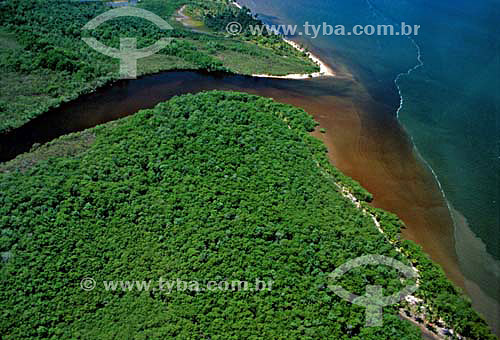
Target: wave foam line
(420, 63)
(407, 73)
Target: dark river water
(126, 97)
(364, 141)
(443, 84)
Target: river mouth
(125, 97)
(364, 141)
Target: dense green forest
(44, 61)
(213, 186)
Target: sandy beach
(369, 145)
(325, 70)
(366, 145)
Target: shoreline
(435, 230)
(324, 69)
(289, 92)
(415, 310)
(295, 76)
(485, 304)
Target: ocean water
(443, 86)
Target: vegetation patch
(213, 186)
(44, 61)
(66, 146)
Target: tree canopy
(213, 186)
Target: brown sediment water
(364, 140)
(367, 143)
(378, 153)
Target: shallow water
(363, 142)
(443, 87)
(364, 137)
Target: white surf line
(407, 73)
(401, 104)
(420, 63)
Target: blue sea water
(443, 85)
